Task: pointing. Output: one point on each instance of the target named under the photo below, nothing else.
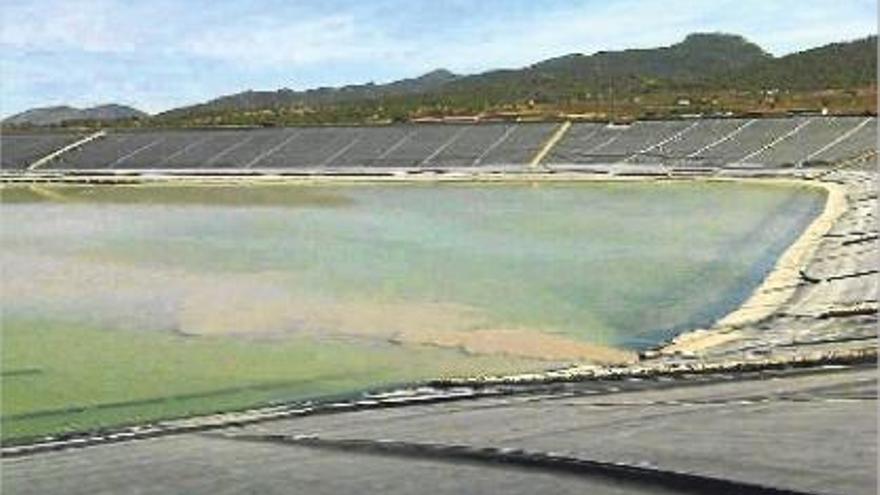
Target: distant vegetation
(705, 74)
(838, 66)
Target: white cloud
(264, 41)
(92, 26)
(489, 42)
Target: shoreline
(778, 286)
(387, 175)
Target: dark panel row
(772, 142)
(393, 146)
(18, 151)
(715, 142)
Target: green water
(313, 275)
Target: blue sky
(158, 54)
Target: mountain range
(702, 63)
(45, 116)
(724, 69)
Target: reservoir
(139, 302)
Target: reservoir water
(211, 297)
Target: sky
(160, 54)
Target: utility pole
(611, 113)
